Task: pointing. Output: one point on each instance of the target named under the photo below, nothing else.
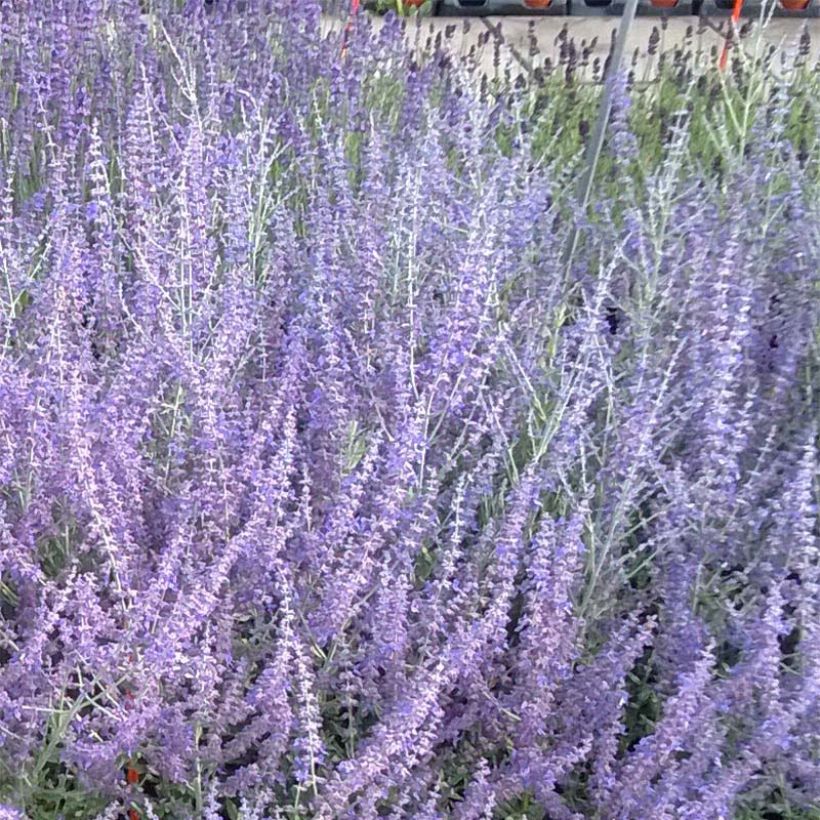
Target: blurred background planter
(797, 8)
(752, 8)
(723, 8)
(660, 8)
(404, 8)
(487, 8)
(646, 8)
(585, 8)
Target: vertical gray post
(596, 142)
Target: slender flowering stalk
(329, 489)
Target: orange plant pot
(664, 4)
(794, 5)
(537, 4)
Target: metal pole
(595, 145)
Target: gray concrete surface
(474, 39)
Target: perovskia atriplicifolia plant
(331, 488)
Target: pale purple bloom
(326, 481)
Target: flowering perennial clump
(333, 486)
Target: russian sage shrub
(332, 486)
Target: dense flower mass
(349, 469)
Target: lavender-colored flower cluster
(331, 486)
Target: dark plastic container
(487, 8)
(594, 8)
(646, 8)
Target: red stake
(354, 10)
(132, 776)
(724, 54)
